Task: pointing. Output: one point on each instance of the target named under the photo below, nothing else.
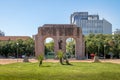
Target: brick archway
(60, 32)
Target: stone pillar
(79, 49)
(55, 46)
(77, 53)
(36, 45)
(64, 45)
(83, 48)
(40, 45)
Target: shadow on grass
(45, 66)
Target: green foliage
(40, 59)
(49, 48)
(60, 55)
(103, 44)
(70, 46)
(54, 71)
(10, 48)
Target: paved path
(9, 61)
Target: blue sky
(23, 17)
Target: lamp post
(17, 51)
(104, 51)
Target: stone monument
(59, 33)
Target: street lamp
(17, 51)
(104, 51)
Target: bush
(60, 56)
(40, 58)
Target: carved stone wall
(59, 33)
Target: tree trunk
(40, 63)
(67, 62)
(61, 61)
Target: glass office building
(2, 33)
(91, 23)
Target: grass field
(55, 71)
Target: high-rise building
(2, 33)
(91, 23)
(117, 31)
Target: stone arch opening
(49, 48)
(70, 47)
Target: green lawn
(55, 71)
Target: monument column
(40, 45)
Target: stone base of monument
(26, 59)
(96, 59)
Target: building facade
(2, 33)
(91, 23)
(117, 31)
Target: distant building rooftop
(56, 25)
(13, 38)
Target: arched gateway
(60, 32)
